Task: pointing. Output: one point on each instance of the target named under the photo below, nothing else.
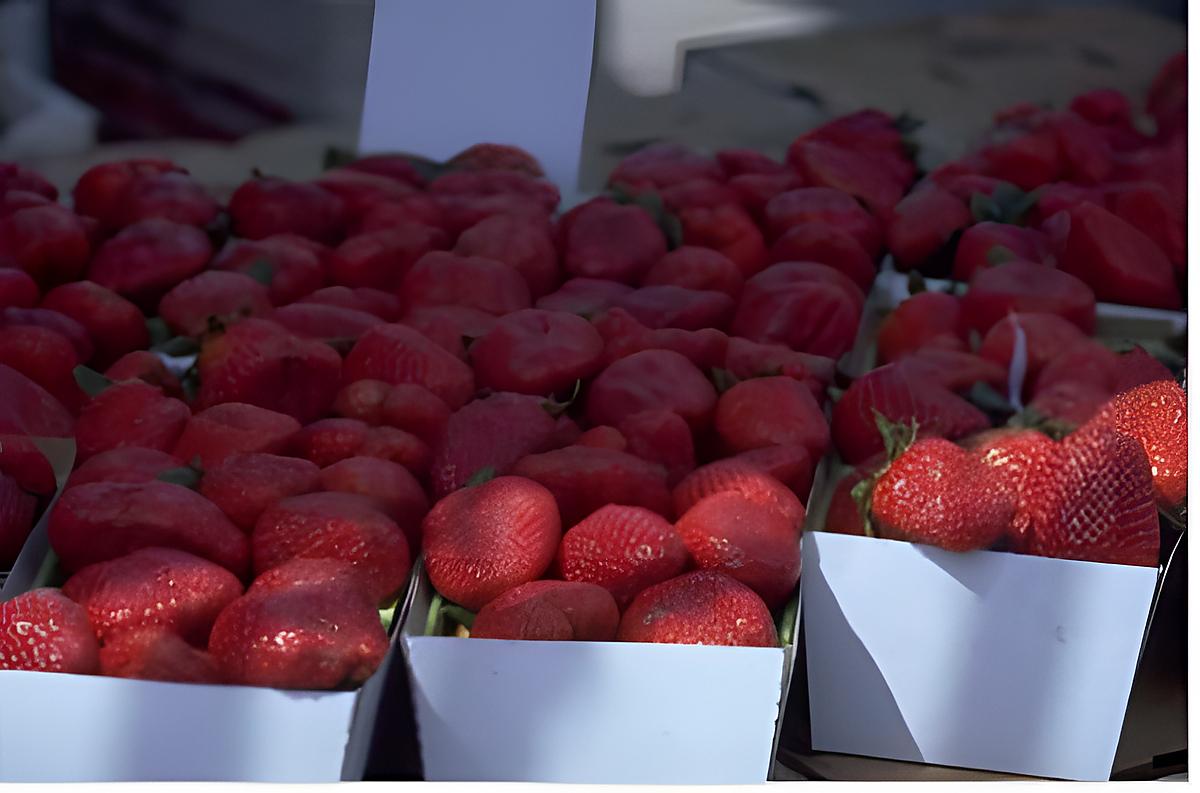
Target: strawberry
(937, 493)
(925, 319)
(71, 330)
(102, 189)
(155, 654)
(828, 245)
(415, 208)
(584, 296)
(17, 510)
(362, 400)
(923, 222)
(154, 587)
(768, 410)
(360, 191)
(326, 441)
(416, 410)
(266, 206)
(452, 328)
(735, 162)
(729, 230)
(382, 304)
(623, 336)
(1055, 197)
(537, 352)
(696, 268)
(550, 611)
(1098, 505)
(790, 304)
(1020, 460)
(115, 325)
(28, 409)
(603, 437)
(583, 479)
(244, 485)
(145, 260)
(1088, 362)
(1138, 367)
(844, 514)
(44, 631)
(145, 366)
(131, 413)
(660, 165)
(739, 476)
(394, 166)
(482, 541)
(1045, 336)
(697, 193)
(327, 323)
(989, 243)
(1154, 414)
(173, 196)
(1119, 263)
(1086, 155)
(1167, 98)
(647, 380)
(260, 363)
(307, 624)
(1148, 207)
(786, 462)
(827, 206)
(1108, 109)
(381, 259)
(214, 434)
(193, 306)
(755, 190)
(496, 157)
(106, 520)
(956, 370)
(14, 200)
(295, 267)
(14, 176)
(398, 354)
(45, 357)
(1025, 287)
(390, 487)
(128, 464)
(661, 437)
(871, 132)
(852, 170)
(497, 183)
(50, 243)
(612, 241)
(340, 526)
(24, 462)
(458, 212)
(701, 607)
(1026, 157)
(17, 289)
(623, 549)
(523, 243)
(670, 306)
(745, 359)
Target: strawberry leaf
(897, 436)
(91, 381)
(261, 270)
(834, 393)
(158, 330)
(485, 474)
(862, 493)
(185, 476)
(723, 379)
(984, 208)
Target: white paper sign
(982, 660)
(448, 74)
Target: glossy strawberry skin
(809, 315)
(926, 318)
(738, 476)
(693, 267)
(1026, 287)
(381, 259)
(244, 485)
(767, 410)
(550, 611)
(115, 325)
(145, 260)
(661, 437)
(651, 379)
(923, 222)
(390, 486)
(131, 413)
(828, 245)
(128, 464)
(482, 541)
(157, 654)
(295, 264)
(979, 244)
(1119, 263)
(824, 205)
(26, 464)
(44, 631)
(397, 354)
(214, 434)
(267, 206)
(50, 243)
(787, 463)
(702, 607)
(537, 352)
(145, 366)
(1021, 462)
(213, 296)
(101, 189)
(729, 230)
(624, 335)
(440, 278)
(1045, 335)
(522, 243)
(44, 356)
(613, 242)
(583, 479)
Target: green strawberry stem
(787, 620)
(556, 408)
(459, 615)
(433, 622)
(387, 614)
(262, 271)
(998, 254)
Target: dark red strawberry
(393, 166)
(496, 157)
(156, 654)
(14, 176)
(45, 357)
(844, 514)
(212, 298)
(768, 410)
(414, 208)
(214, 434)
(450, 327)
(398, 354)
(654, 379)
(612, 241)
(926, 318)
(550, 611)
(1109, 110)
(327, 323)
(745, 359)
(871, 132)
(128, 464)
(1087, 362)
(132, 413)
(50, 243)
(144, 261)
(16, 519)
(292, 262)
(390, 486)
(1167, 99)
(1138, 367)
(458, 212)
(1026, 287)
(1056, 197)
(988, 244)
(696, 268)
(923, 222)
(537, 352)
(853, 170)
(788, 463)
(482, 541)
(381, 259)
(244, 485)
(26, 464)
(803, 305)
(523, 243)
(1087, 157)
(28, 409)
(661, 437)
(702, 607)
(1044, 335)
(584, 478)
(145, 366)
(362, 400)
(755, 190)
(102, 189)
(1020, 460)
(361, 191)
(44, 631)
(1148, 207)
(497, 183)
(107, 520)
(14, 200)
(174, 196)
(416, 410)
(697, 193)
(73, 331)
(603, 437)
(307, 624)
(382, 304)
(729, 230)
(17, 289)
(735, 162)
(662, 164)
(265, 206)
(956, 370)
(828, 206)
(115, 325)
(623, 336)
(743, 477)
(828, 245)
(1024, 156)
(671, 306)
(326, 441)
(584, 296)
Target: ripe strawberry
(398, 354)
(115, 325)
(786, 462)
(326, 441)
(102, 189)
(106, 520)
(1154, 414)
(1055, 197)
(382, 304)
(537, 352)
(697, 193)
(1046, 335)
(482, 541)
(174, 196)
(826, 206)
(214, 434)
(381, 259)
(612, 241)
(1167, 98)
(265, 206)
(603, 437)
(1138, 367)
(28, 409)
(17, 289)
(521, 242)
(496, 157)
(307, 624)
(1026, 287)
(550, 611)
(295, 266)
(497, 183)
(852, 170)
(768, 410)
(340, 526)
(128, 464)
(145, 366)
(923, 222)
(44, 631)
(1088, 362)
(260, 363)
(647, 380)
(45, 357)
(450, 327)
(361, 191)
(156, 654)
(745, 359)
(441, 278)
(729, 230)
(701, 607)
(735, 162)
(14, 176)
(755, 190)
(458, 212)
(584, 296)
(584, 478)
(1026, 157)
(393, 166)
(739, 476)
(73, 331)
(24, 462)
(145, 260)
(16, 519)
(871, 132)
(1022, 461)
(14, 200)
(670, 306)
(1148, 207)
(244, 485)
(661, 437)
(153, 587)
(807, 307)
(415, 208)
(660, 165)
(844, 515)
(332, 324)
(1119, 263)
(828, 245)
(362, 400)
(926, 318)
(1087, 157)
(977, 249)
(623, 549)
(50, 243)
(391, 488)
(416, 410)
(131, 413)
(937, 493)
(193, 306)
(623, 336)
(696, 268)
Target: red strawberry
(293, 263)
(131, 413)
(16, 519)
(497, 183)
(603, 437)
(265, 206)
(550, 611)
(145, 260)
(661, 437)
(496, 157)
(755, 190)
(923, 222)
(51, 320)
(390, 486)
(260, 363)
(660, 165)
(106, 520)
(537, 352)
(441, 278)
(328, 323)
(1056, 197)
(745, 359)
(1086, 155)
(696, 268)
(735, 162)
(44, 631)
(154, 587)
(482, 541)
(214, 434)
(695, 193)
(155, 654)
(307, 624)
(360, 191)
(393, 166)
(869, 131)
(844, 515)
(128, 464)
(50, 243)
(623, 549)
(173, 196)
(28, 409)
(244, 485)
(416, 410)
(414, 208)
(1087, 362)
(1045, 335)
(1021, 461)
(808, 307)
(45, 357)
(362, 400)
(926, 318)
(828, 206)
(17, 289)
(670, 306)
(115, 325)
(398, 354)
(956, 370)
(937, 493)
(14, 200)
(494, 433)
(382, 304)
(1148, 207)
(613, 242)
(193, 306)
(21, 459)
(987, 244)
(1026, 287)
(450, 327)
(729, 230)
(102, 189)
(145, 366)
(584, 478)
(584, 296)
(340, 526)
(828, 245)
(851, 170)
(1120, 263)
(326, 441)
(380, 259)
(651, 380)
(770, 410)
(522, 243)
(1138, 367)
(1167, 98)
(623, 336)
(738, 476)
(788, 463)
(1109, 109)
(458, 212)
(14, 176)
(702, 607)
(1027, 158)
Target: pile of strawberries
(1082, 189)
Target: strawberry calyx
(92, 382)
(185, 476)
(1006, 204)
(1033, 419)
(557, 407)
(652, 203)
(485, 474)
(723, 379)
(897, 437)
